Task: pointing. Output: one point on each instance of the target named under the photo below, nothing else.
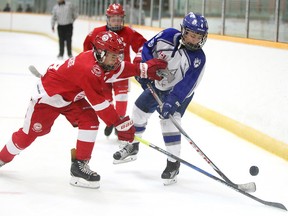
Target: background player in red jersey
(63, 91)
(133, 40)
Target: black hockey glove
(143, 82)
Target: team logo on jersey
(169, 75)
(37, 127)
(105, 37)
(96, 70)
(197, 62)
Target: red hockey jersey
(78, 77)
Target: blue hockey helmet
(198, 24)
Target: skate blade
(2, 163)
(126, 160)
(167, 182)
(80, 182)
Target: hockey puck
(254, 170)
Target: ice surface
(37, 181)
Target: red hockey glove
(126, 129)
(149, 68)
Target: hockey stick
(248, 187)
(34, 71)
(228, 184)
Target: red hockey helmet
(115, 17)
(108, 42)
(115, 10)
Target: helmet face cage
(115, 28)
(106, 43)
(194, 23)
(101, 56)
(115, 11)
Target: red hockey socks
(8, 152)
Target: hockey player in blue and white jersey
(186, 63)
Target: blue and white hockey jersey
(185, 67)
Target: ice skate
(127, 154)
(82, 175)
(108, 130)
(60, 57)
(170, 173)
(2, 163)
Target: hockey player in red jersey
(63, 91)
(133, 40)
